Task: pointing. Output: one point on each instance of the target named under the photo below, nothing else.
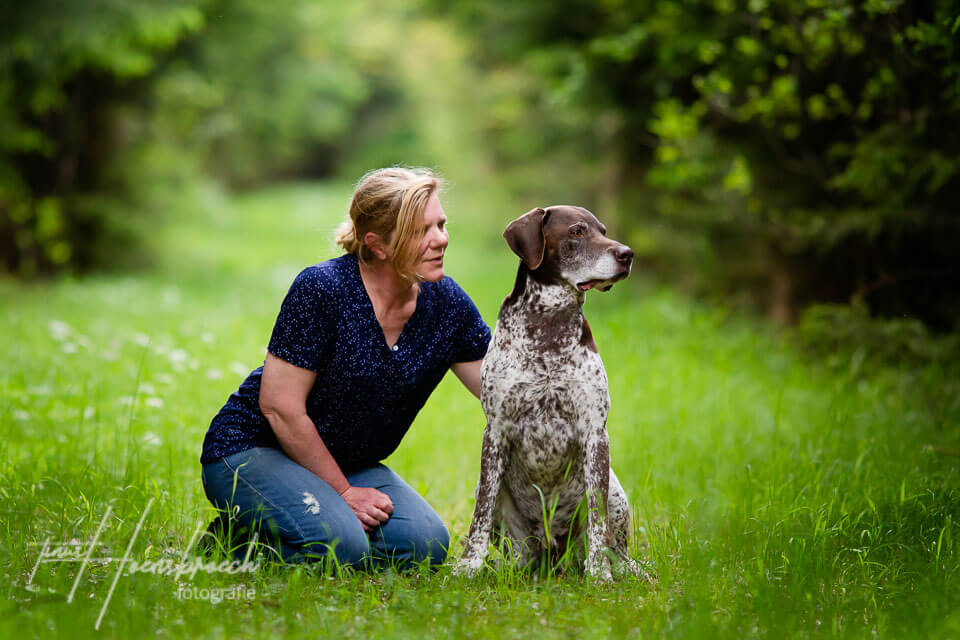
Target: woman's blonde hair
(385, 200)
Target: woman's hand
(371, 507)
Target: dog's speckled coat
(544, 392)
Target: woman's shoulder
(451, 295)
(329, 275)
(457, 312)
(446, 288)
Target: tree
(107, 107)
(804, 148)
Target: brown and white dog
(544, 392)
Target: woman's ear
(375, 245)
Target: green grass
(773, 495)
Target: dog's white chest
(516, 379)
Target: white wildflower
(152, 439)
(59, 330)
(170, 296)
(239, 369)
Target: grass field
(775, 496)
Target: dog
(545, 395)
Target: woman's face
(434, 242)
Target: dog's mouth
(590, 284)
(603, 284)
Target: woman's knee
(286, 505)
(334, 529)
(432, 543)
(351, 548)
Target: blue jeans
(304, 519)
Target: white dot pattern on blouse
(366, 394)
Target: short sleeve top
(366, 394)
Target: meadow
(774, 495)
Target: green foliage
(108, 108)
(847, 335)
(820, 133)
(63, 67)
(776, 497)
(267, 90)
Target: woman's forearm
(469, 374)
(300, 441)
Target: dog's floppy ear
(525, 237)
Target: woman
(359, 344)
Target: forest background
(776, 154)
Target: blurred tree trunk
(781, 303)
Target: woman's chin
(432, 273)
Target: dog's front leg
(596, 475)
(488, 486)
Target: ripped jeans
(302, 518)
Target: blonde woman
(358, 346)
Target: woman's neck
(387, 290)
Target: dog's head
(568, 245)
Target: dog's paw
(633, 568)
(467, 567)
(599, 569)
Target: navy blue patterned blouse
(366, 394)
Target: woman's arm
(283, 400)
(469, 374)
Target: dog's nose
(623, 254)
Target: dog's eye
(576, 232)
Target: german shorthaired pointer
(544, 393)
